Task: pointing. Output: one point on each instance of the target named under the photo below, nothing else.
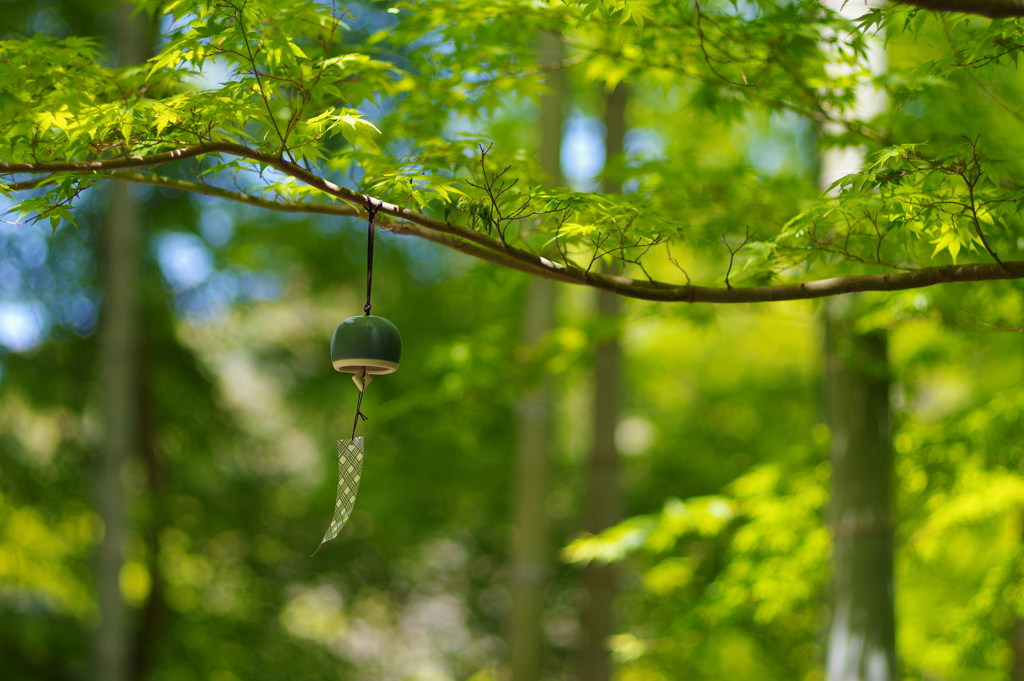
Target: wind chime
(364, 346)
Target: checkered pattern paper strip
(350, 471)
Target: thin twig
(732, 255)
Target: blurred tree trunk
(120, 380)
(531, 545)
(862, 634)
(603, 506)
(148, 630)
(1017, 643)
(862, 644)
(118, 341)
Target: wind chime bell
(363, 346)
(366, 345)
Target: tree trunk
(119, 334)
(531, 559)
(118, 338)
(1016, 640)
(862, 645)
(603, 506)
(1017, 643)
(150, 623)
(861, 641)
(531, 546)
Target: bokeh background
(722, 438)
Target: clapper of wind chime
(364, 346)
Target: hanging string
(359, 404)
(371, 228)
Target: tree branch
(397, 227)
(994, 9)
(493, 250)
(272, 160)
(240, 197)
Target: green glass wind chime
(363, 346)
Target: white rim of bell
(372, 366)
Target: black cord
(359, 404)
(370, 230)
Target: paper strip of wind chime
(364, 346)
